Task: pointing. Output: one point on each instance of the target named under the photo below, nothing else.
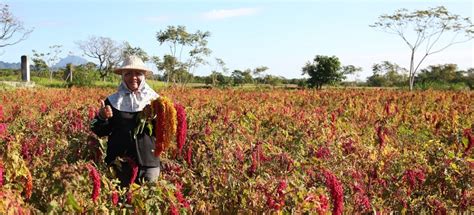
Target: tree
(169, 66)
(426, 28)
(387, 74)
(128, 50)
(240, 78)
(183, 76)
(11, 30)
(445, 74)
(468, 78)
(222, 66)
(180, 40)
(258, 73)
(40, 66)
(349, 70)
(273, 80)
(46, 61)
(107, 51)
(199, 50)
(224, 80)
(323, 70)
(212, 79)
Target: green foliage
(218, 79)
(258, 74)
(128, 50)
(468, 78)
(46, 82)
(350, 70)
(44, 62)
(40, 66)
(240, 78)
(440, 73)
(273, 80)
(174, 67)
(323, 70)
(444, 77)
(387, 74)
(81, 76)
(10, 75)
(438, 85)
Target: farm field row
(249, 151)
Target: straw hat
(133, 62)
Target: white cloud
(156, 19)
(223, 14)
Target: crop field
(249, 151)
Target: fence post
(68, 72)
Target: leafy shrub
(441, 86)
(83, 77)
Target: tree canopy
(129, 50)
(174, 65)
(426, 32)
(107, 51)
(323, 70)
(387, 74)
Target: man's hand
(105, 112)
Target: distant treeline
(385, 74)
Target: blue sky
(282, 35)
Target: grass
(46, 82)
(56, 83)
(10, 78)
(154, 84)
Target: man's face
(133, 78)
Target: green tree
(444, 76)
(222, 65)
(468, 78)
(213, 78)
(323, 70)
(44, 62)
(350, 70)
(273, 80)
(183, 76)
(40, 66)
(12, 30)
(128, 50)
(169, 66)
(387, 74)
(426, 28)
(179, 41)
(258, 73)
(53, 58)
(447, 73)
(89, 66)
(241, 77)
